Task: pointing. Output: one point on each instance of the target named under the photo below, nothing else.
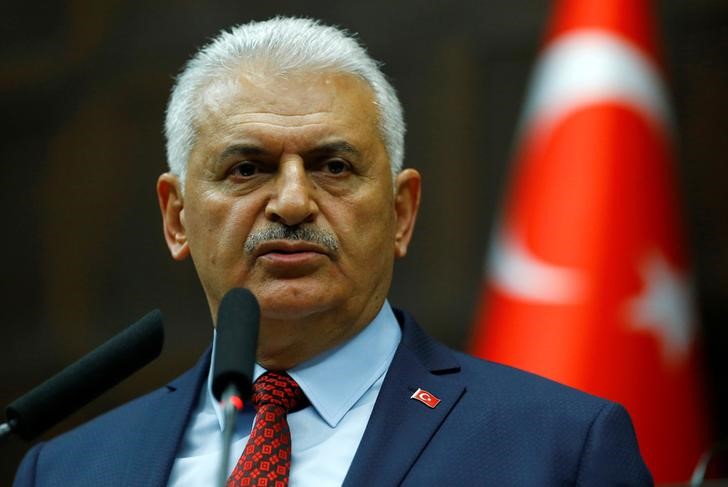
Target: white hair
(283, 45)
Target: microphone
(236, 341)
(85, 380)
(238, 320)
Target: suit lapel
(161, 430)
(400, 427)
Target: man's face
(289, 193)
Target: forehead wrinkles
(283, 112)
(233, 116)
(228, 104)
(318, 102)
(262, 121)
(286, 95)
(275, 133)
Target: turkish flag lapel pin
(426, 398)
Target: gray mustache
(299, 232)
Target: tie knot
(278, 389)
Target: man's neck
(283, 344)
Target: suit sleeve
(611, 455)
(25, 476)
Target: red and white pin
(426, 398)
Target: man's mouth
(288, 247)
(291, 258)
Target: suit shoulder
(510, 386)
(113, 422)
(78, 456)
(532, 430)
(493, 382)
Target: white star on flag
(665, 307)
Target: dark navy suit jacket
(494, 425)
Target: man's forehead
(291, 94)
(295, 110)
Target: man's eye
(336, 166)
(244, 169)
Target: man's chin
(289, 310)
(291, 303)
(298, 297)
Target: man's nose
(292, 200)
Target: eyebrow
(337, 147)
(250, 150)
(241, 150)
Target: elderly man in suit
(285, 148)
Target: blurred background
(83, 87)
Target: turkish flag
(588, 278)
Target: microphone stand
(231, 404)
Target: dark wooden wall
(83, 86)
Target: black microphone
(236, 341)
(238, 320)
(85, 380)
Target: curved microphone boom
(86, 379)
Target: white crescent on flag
(516, 271)
(591, 66)
(581, 68)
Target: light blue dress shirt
(341, 384)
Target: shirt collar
(336, 379)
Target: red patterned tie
(266, 460)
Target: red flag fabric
(588, 282)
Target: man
(285, 146)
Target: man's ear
(171, 203)
(406, 205)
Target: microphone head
(86, 379)
(238, 320)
